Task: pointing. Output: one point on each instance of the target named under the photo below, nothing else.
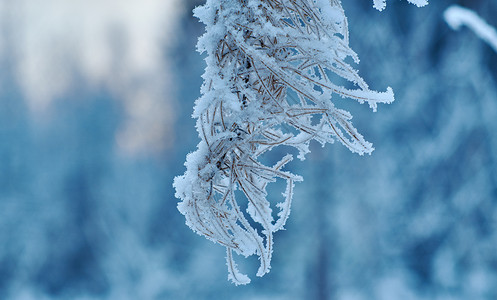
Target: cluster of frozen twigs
(272, 68)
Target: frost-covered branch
(273, 68)
(457, 16)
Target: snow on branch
(271, 80)
(457, 16)
(382, 4)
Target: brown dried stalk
(260, 53)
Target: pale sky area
(115, 45)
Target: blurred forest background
(95, 105)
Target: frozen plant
(272, 72)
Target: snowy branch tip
(457, 16)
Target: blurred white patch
(444, 269)
(395, 288)
(457, 16)
(115, 45)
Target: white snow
(382, 4)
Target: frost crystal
(273, 68)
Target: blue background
(81, 218)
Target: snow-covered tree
(274, 68)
